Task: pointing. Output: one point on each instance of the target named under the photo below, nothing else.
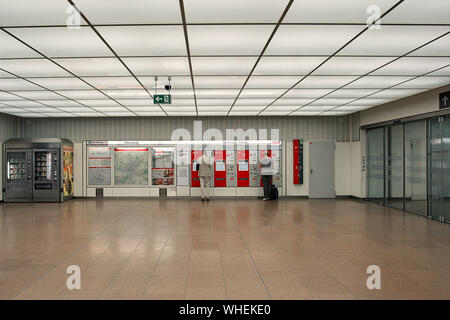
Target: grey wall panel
(160, 128)
(8, 127)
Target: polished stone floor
(224, 249)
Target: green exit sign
(162, 99)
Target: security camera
(168, 87)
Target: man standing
(204, 173)
(266, 174)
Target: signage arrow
(444, 100)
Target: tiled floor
(224, 249)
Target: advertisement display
(183, 165)
(163, 166)
(131, 166)
(220, 174)
(99, 166)
(195, 180)
(68, 187)
(231, 168)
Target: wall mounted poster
(68, 171)
(99, 166)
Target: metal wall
(160, 128)
(8, 127)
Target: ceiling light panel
(376, 82)
(229, 82)
(352, 108)
(179, 108)
(261, 93)
(61, 83)
(216, 93)
(282, 108)
(439, 47)
(237, 66)
(294, 66)
(12, 48)
(17, 84)
(99, 103)
(94, 66)
(77, 109)
(304, 113)
(26, 13)
(369, 101)
(425, 82)
(182, 113)
(317, 108)
(248, 108)
(41, 109)
(292, 102)
(180, 82)
(22, 104)
(395, 93)
(7, 75)
(213, 108)
(29, 115)
(121, 114)
(63, 42)
(351, 93)
(151, 114)
(135, 102)
(441, 72)
(181, 94)
(33, 68)
(82, 94)
(8, 96)
(273, 113)
(59, 115)
(37, 94)
(234, 11)
(110, 109)
(60, 103)
(271, 81)
(330, 102)
(145, 40)
(228, 39)
(130, 11)
(113, 82)
(351, 65)
(392, 40)
(214, 102)
(331, 11)
(311, 39)
(127, 94)
(166, 66)
(253, 102)
(212, 113)
(243, 113)
(328, 82)
(413, 66)
(414, 11)
(335, 113)
(145, 109)
(306, 93)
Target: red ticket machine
(243, 175)
(195, 180)
(262, 154)
(220, 172)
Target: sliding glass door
(416, 167)
(375, 165)
(394, 166)
(439, 168)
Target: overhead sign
(162, 99)
(444, 100)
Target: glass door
(415, 167)
(394, 166)
(375, 165)
(439, 168)
(18, 175)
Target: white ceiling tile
(330, 102)
(243, 113)
(237, 66)
(32, 13)
(166, 66)
(41, 109)
(59, 115)
(351, 93)
(127, 94)
(29, 115)
(228, 82)
(392, 40)
(335, 113)
(170, 108)
(13, 48)
(61, 83)
(113, 82)
(332, 11)
(90, 114)
(110, 109)
(77, 109)
(130, 11)
(33, 68)
(317, 108)
(253, 102)
(94, 66)
(17, 84)
(135, 102)
(82, 94)
(292, 102)
(272, 81)
(395, 93)
(325, 82)
(152, 114)
(60, 103)
(294, 66)
(4, 74)
(351, 65)
(37, 94)
(311, 39)
(182, 113)
(413, 66)
(261, 93)
(214, 102)
(145, 109)
(369, 101)
(377, 82)
(23, 104)
(216, 93)
(212, 113)
(248, 108)
(282, 108)
(213, 108)
(186, 101)
(425, 82)
(99, 103)
(305, 113)
(306, 93)
(273, 113)
(181, 94)
(145, 40)
(414, 11)
(352, 108)
(228, 39)
(234, 11)
(63, 42)
(439, 47)
(441, 72)
(8, 96)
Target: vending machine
(38, 170)
(253, 166)
(243, 173)
(195, 180)
(220, 173)
(231, 167)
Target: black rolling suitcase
(273, 192)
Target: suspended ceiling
(225, 58)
